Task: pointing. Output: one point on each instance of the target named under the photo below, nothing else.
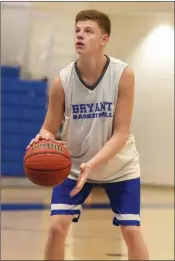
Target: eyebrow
(87, 27)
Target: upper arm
(55, 112)
(124, 107)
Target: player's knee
(130, 233)
(57, 230)
(59, 227)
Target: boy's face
(89, 38)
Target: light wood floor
(23, 233)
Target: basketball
(47, 163)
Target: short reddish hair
(94, 15)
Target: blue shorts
(124, 197)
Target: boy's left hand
(85, 169)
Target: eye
(89, 31)
(77, 30)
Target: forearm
(110, 149)
(51, 125)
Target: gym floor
(25, 219)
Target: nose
(80, 35)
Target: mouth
(79, 44)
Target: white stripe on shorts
(128, 217)
(65, 207)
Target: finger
(32, 141)
(76, 189)
(37, 138)
(74, 192)
(80, 183)
(82, 166)
(47, 136)
(30, 144)
(62, 143)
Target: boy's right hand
(45, 135)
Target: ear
(104, 39)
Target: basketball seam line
(47, 170)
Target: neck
(91, 66)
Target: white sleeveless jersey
(89, 112)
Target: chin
(81, 52)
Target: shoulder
(127, 81)
(117, 67)
(67, 69)
(127, 70)
(117, 62)
(65, 73)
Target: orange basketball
(47, 163)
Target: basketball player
(94, 95)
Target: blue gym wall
(23, 108)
